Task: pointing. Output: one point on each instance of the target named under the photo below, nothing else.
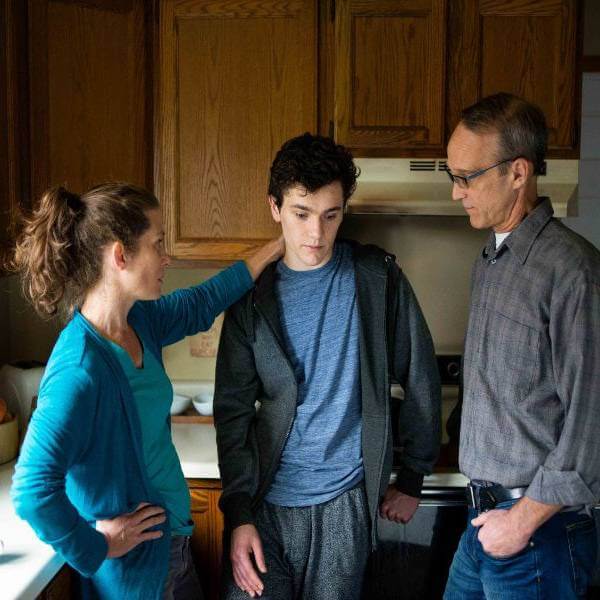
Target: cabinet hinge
(331, 129)
(332, 10)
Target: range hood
(399, 186)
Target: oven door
(412, 561)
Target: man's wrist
(528, 515)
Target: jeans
(556, 564)
(182, 580)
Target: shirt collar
(521, 239)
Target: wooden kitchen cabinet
(388, 69)
(76, 98)
(384, 77)
(395, 74)
(62, 586)
(531, 49)
(235, 80)
(90, 75)
(207, 540)
(192, 98)
(14, 130)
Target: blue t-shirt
(153, 394)
(322, 457)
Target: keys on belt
(486, 497)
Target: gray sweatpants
(312, 552)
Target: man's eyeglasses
(462, 181)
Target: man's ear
(522, 171)
(274, 209)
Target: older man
(530, 441)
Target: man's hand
(125, 532)
(505, 532)
(499, 535)
(245, 541)
(397, 506)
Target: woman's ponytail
(59, 249)
(45, 254)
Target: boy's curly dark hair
(312, 161)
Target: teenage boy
(314, 347)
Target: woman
(98, 477)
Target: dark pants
(312, 552)
(556, 565)
(182, 580)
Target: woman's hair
(59, 249)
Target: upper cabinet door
(235, 80)
(90, 93)
(389, 70)
(528, 48)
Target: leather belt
(486, 497)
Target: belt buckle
(473, 496)
(489, 500)
(481, 498)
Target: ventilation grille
(440, 165)
(427, 165)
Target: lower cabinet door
(62, 586)
(207, 540)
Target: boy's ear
(274, 209)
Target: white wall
(587, 222)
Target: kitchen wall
(587, 222)
(591, 26)
(30, 337)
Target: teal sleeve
(58, 434)
(188, 311)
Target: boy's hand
(245, 542)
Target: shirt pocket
(509, 355)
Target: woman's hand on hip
(125, 532)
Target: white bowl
(203, 402)
(179, 404)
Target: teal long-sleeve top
(82, 458)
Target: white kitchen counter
(26, 564)
(196, 446)
(197, 449)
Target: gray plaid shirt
(531, 412)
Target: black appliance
(412, 560)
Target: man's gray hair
(520, 124)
